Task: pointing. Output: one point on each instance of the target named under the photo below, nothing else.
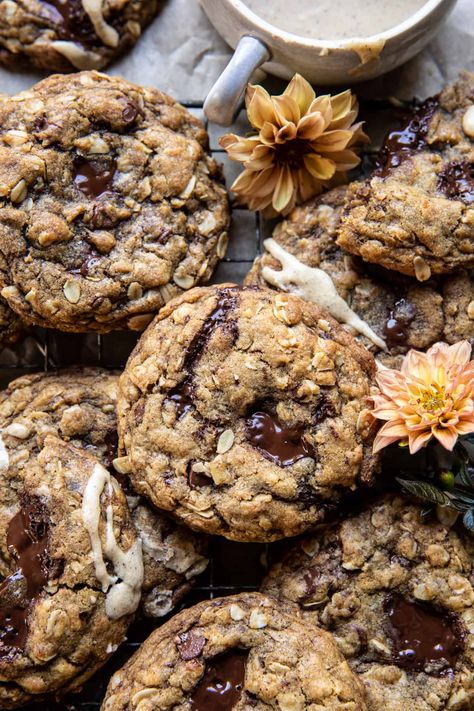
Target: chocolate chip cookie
(110, 204)
(241, 652)
(72, 568)
(11, 326)
(389, 312)
(396, 592)
(66, 35)
(242, 412)
(415, 214)
(79, 407)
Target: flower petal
(417, 441)
(301, 92)
(332, 141)
(341, 104)
(320, 168)
(345, 160)
(286, 133)
(259, 106)
(286, 109)
(284, 188)
(446, 437)
(311, 126)
(323, 106)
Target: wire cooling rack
(233, 567)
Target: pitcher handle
(224, 98)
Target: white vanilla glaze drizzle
(314, 285)
(106, 32)
(124, 587)
(4, 458)
(78, 56)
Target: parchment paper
(183, 55)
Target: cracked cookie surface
(241, 652)
(415, 214)
(396, 592)
(400, 310)
(241, 411)
(110, 204)
(66, 35)
(62, 610)
(79, 407)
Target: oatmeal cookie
(66, 35)
(79, 407)
(396, 592)
(399, 311)
(72, 569)
(415, 214)
(241, 411)
(240, 652)
(11, 326)
(110, 204)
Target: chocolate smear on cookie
(72, 20)
(221, 686)
(423, 639)
(456, 181)
(182, 394)
(397, 323)
(27, 542)
(276, 441)
(398, 145)
(93, 178)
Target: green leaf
(464, 497)
(468, 519)
(426, 491)
(465, 478)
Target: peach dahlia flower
(432, 396)
(301, 143)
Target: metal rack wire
(233, 567)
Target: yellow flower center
(432, 399)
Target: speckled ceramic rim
(314, 43)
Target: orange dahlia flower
(301, 145)
(432, 396)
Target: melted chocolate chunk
(324, 408)
(457, 182)
(27, 542)
(218, 318)
(398, 145)
(72, 20)
(423, 637)
(191, 645)
(283, 445)
(399, 319)
(111, 447)
(221, 686)
(93, 179)
(182, 396)
(130, 110)
(197, 479)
